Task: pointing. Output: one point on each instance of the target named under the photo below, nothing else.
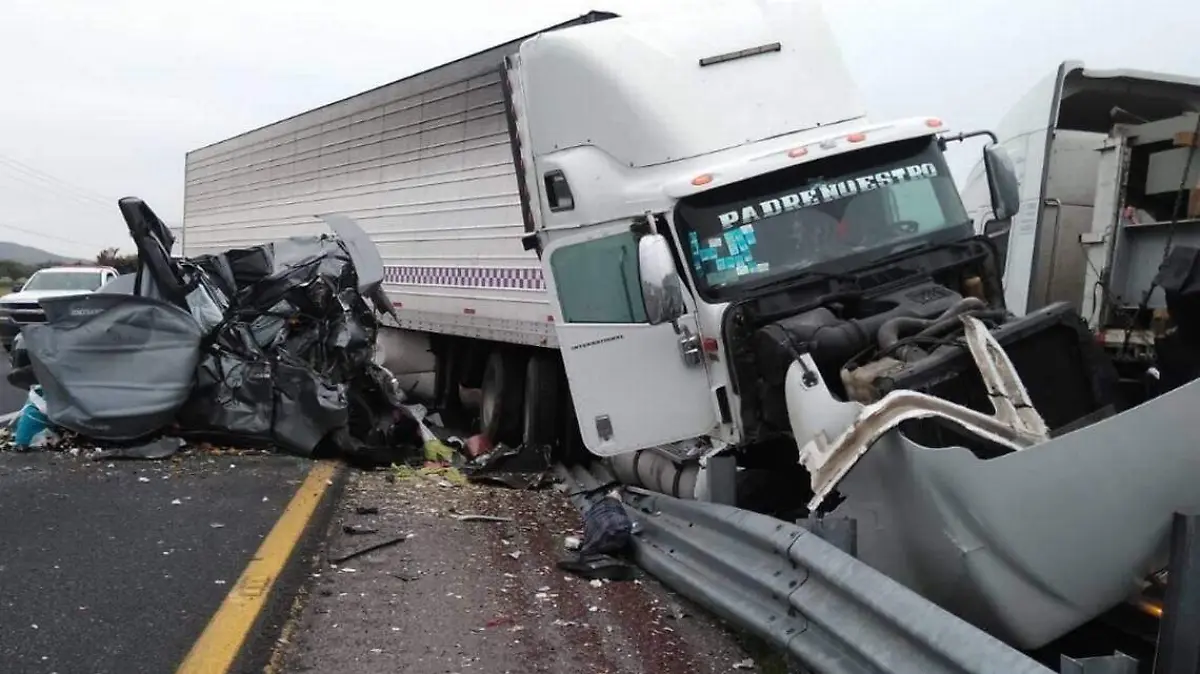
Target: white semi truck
(510, 193)
(681, 244)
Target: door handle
(690, 347)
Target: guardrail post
(1117, 663)
(1179, 630)
(841, 532)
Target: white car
(21, 307)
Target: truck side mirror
(1002, 182)
(662, 290)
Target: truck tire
(451, 361)
(540, 414)
(503, 390)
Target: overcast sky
(101, 99)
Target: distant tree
(111, 257)
(15, 270)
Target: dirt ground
(461, 596)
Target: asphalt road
(116, 568)
(11, 399)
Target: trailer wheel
(451, 361)
(540, 417)
(503, 394)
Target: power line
(51, 192)
(33, 232)
(81, 192)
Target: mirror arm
(641, 225)
(960, 137)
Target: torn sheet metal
(113, 367)
(1034, 543)
(367, 260)
(268, 345)
(1016, 424)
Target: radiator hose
(895, 329)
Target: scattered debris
(519, 481)
(572, 543)
(162, 448)
(358, 530)
(607, 532)
(366, 510)
(33, 428)
(479, 445)
(499, 621)
(744, 664)
(482, 518)
(371, 548)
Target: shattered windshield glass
(858, 204)
(64, 280)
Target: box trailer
(425, 164)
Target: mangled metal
(267, 345)
(1030, 539)
(113, 367)
(1015, 425)
(1032, 543)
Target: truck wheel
(503, 393)
(540, 418)
(451, 361)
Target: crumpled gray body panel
(1036, 542)
(112, 366)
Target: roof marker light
(702, 179)
(797, 152)
(933, 123)
(856, 137)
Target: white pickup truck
(21, 307)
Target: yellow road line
(217, 648)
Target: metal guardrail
(831, 612)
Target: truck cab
(757, 173)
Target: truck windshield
(829, 215)
(63, 280)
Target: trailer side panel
(424, 164)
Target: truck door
(629, 381)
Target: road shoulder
(459, 596)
